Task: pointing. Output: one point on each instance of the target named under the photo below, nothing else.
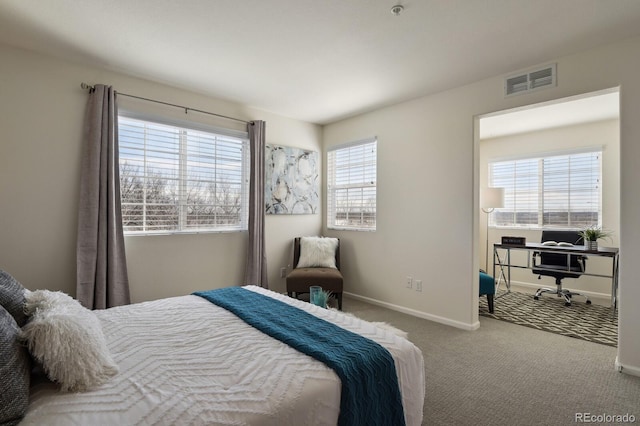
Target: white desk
(504, 262)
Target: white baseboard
(632, 371)
(415, 313)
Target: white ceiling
(563, 112)
(315, 60)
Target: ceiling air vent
(539, 78)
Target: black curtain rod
(86, 86)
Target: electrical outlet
(418, 285)
(283, 272)
(409, 282)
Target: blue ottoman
(488, 287)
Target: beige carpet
(508, 375)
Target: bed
(185, 360)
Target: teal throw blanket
(370, 394)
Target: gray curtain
(256, 269)
(102, 280)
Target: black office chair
(559, 265)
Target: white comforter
(186, 361)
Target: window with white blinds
(555, 191)
(351, 186)
(178, 179)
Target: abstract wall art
(291, 180)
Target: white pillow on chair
(317, 252)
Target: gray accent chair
(300, 279)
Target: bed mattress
(184, 360)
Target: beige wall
(428, 198)
(428, 174)
(41, 117)
(604, 135)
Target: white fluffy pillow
(67, 339)
(317, 252)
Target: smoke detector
(397, 9)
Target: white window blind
(351, 186)
(179, 179)
(561, 191)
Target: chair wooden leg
(339, 297)
(490, 302)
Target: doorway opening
(584, 123)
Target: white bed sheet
(184, 360)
